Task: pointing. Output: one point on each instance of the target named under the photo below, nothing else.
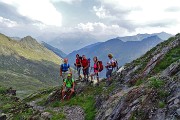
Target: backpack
(115, 64)
(100, 66)
(63, 68)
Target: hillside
(26, 65)
(145, 89)
(55, 50)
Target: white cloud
(7, 22)
(144, 13)
(67, 1)
(39, 10)
(101, 12)
(101, 30)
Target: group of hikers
(82, 63)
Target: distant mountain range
(123, 52)
(55, 50)
(139, 37)
(27, 65)
(70, 42)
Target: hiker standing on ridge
(68, 85)
(96, 70)
(78, 65)
(65, 69)
(85, 65)
(109, 67)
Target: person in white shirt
(109, 67)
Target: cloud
(67, 1)
(7, 23)
(101, 30)
(37, 10)
(101, 12)
(136, 14)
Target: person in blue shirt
(65, 69)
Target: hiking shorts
(86, 71)
(64, 75)
(109, 73)
(66, 89)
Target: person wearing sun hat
(109, 68)
(68, 85)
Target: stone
(3, 117)
(46, 115)
(176, 101)
(178, 112)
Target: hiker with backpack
(78, 65)
(68, 86)
(110, 66)
(97, 68)
(85, 65)
(65, 69)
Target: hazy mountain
(26, 65)
(139, 37)
(123, 51)
(55, 50)
(70, 42)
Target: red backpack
(100, 66)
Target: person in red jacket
(78, 65)
(85, 65)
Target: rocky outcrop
(144, 102)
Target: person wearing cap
(65, 69)
(68, 85)
(109, 67)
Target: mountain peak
(30, 42)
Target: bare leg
(70, 95)
(63, 94)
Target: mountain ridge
(28, 63)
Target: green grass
(161, 104)
(171, 57)
(85, 100)
(155, 83)
(139, 82)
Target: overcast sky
(103, 19)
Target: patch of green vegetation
(139, 82)
(58, 116)
(6, 107)
(85, 100)
(155, 83)
(162, 94)
(23, 115)
(43, 93)
(161, 104)
(2, 90)
(171, 57)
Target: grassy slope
(27, 67)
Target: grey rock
(46, 115)
(74, 113)
(178, 112)
(3, 117)
(176, 101)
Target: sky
(100, 19)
